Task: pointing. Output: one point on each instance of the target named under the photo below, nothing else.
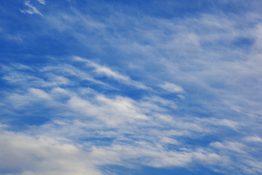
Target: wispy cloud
(108, 72)
(89, 114)
(161, 92)
(103, 70)
(43, 2)
(171, 87)
(30, 9)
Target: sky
(113, 87)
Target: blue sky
(130, 87)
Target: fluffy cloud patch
(27, 155)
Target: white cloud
(30, 9)
(187, 51)
(153, 157)
(39, 93)
(171, 87)
(112, 111)
(108, 72)
(29, 96)
(43, 2)
(229, 145)
(103, 70)
(65, 70)
(26, 155)
(254, 139)
(56, 80)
